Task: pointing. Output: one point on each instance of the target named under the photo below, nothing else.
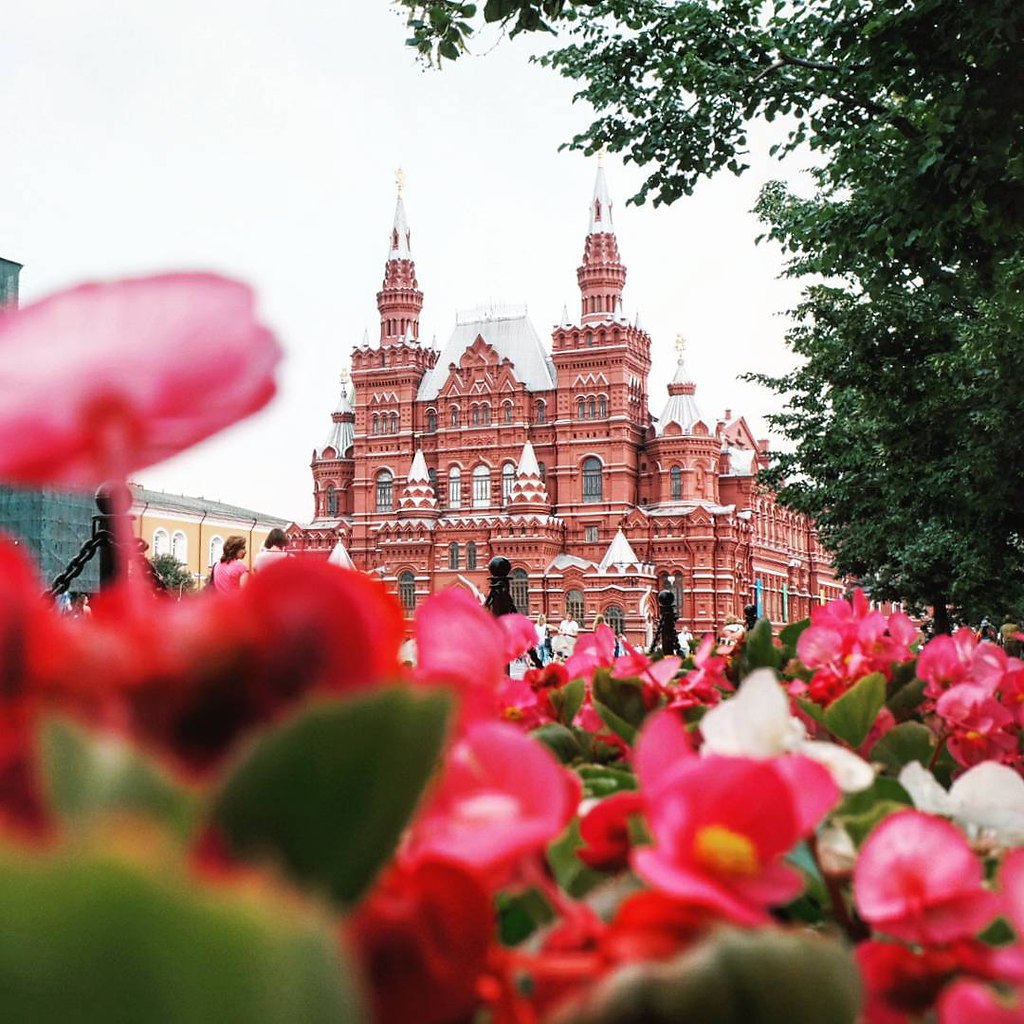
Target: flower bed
(245, 807)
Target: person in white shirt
(275, 547)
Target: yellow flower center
(973, 735)
(512, 714)
(725, 852)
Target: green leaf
(748, 977)
(568, 699)
(87, 775)
(860, 812)
(94, 940)
(619, 726)
(561, 741)
(572, 875)
(815, 711)
(328, 793)
(521, 914)
(851, 716)
(602, 780)
(622, 696)
(906, 698)
(910, 741)
(759, 649)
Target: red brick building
(436, 461)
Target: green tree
(174, 576)
(905, 415)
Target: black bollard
(112, 500)
(499, 600)
(667, 623)
(750, 616)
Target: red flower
(422, 937)
(652, 926)
(917, 879)
(605, 832)
(144, 368)
(237, 661)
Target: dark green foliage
(174, 576)
(905, 419)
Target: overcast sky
(259, 139)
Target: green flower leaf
(751, 977)
(95, 940)
(851, 716)
(562, 742)
(904, 743)
(88, 774)
(567, 700)
(328, 793)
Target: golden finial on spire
(680, 346)
(600, 156)
(400, 179)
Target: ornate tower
(387, 378)
(602, 275)
(399, 299)
(602, 365)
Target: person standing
(230, 572)
(275, 547)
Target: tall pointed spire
(602, 276)
(681, 407)
(399, 299)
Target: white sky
(259, 139)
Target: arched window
(614, 619)
(407, 591)
(673, 582)
(542, 411)
(507, 410)
(485, 414)
(508, 481)
(574, 605)
(161, 542)
(216, 549)
(332, 500)
(543, 471)
(602, 406)
(519, 590)
(453, 555)
(385, 490)
(431, 421)
(676, 477)
(179, 547)
(455, 487)
(593, 486)
(474, 415)
(432, 477)
(375, 425)
(581, 408)
(394, 423)
(455, 415)
(592, 409)
(471, 555)
(481, 487)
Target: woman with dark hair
(229, 573)
(275, 547)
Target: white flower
(987, 798)
(756, 723)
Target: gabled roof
(158, 500)
(620, 553)
(512, 337)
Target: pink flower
(971, 1002)
(917, 879)
(980, 727)
(459, 643)
(708, 677)
(721, 825)
(592, 651)
(847, 641)
(502, 796)
(106, 378)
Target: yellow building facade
(194, 529)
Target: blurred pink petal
(104, 379)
